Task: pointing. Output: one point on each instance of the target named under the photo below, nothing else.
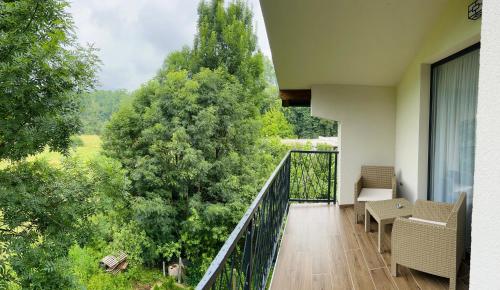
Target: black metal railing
(246, 258)
(311, 176)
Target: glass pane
(453, 128)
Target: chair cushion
(428, 221)
(374, 194)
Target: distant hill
(97, 108)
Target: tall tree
(42, 72)
(225, 38)
(189, 138)
(185, 141)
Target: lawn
(87, 148)
(90, 148)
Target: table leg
(381, 230)
(367, 221)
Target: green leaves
(42, 70)
(44, 213)
(189, 139)
(307, 126)
(275, 124)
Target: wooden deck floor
(322, 248)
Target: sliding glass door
(453, 128)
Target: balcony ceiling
(363, 42)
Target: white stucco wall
(485, 257)
(452, 33)
(366, 116)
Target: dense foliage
(182, 142)
(304, 125)
(307, 126)
(97, 108)
(275, 124)
(111, 232)
(42, 72)
(190, 138)
(44, 211)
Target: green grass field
(89, 148)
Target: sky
(135, 36)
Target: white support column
(366, 116)
(485, 260)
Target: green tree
(184, 137)
(304, 125)
(225, 38)
(42, 72)
(190, 137)
(44, 211)
(97, 108)
(307, 126)
(275, 124)
(271, 93)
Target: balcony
(294, 236)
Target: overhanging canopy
(362, 42)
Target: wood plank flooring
(323, 248)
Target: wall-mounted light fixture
(475, 10)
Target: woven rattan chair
(381, 177)
(435, 248)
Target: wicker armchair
(431, 247)
(373, 177)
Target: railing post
(288, 166)
(249, 252)
(335, 178)
(329, 176)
